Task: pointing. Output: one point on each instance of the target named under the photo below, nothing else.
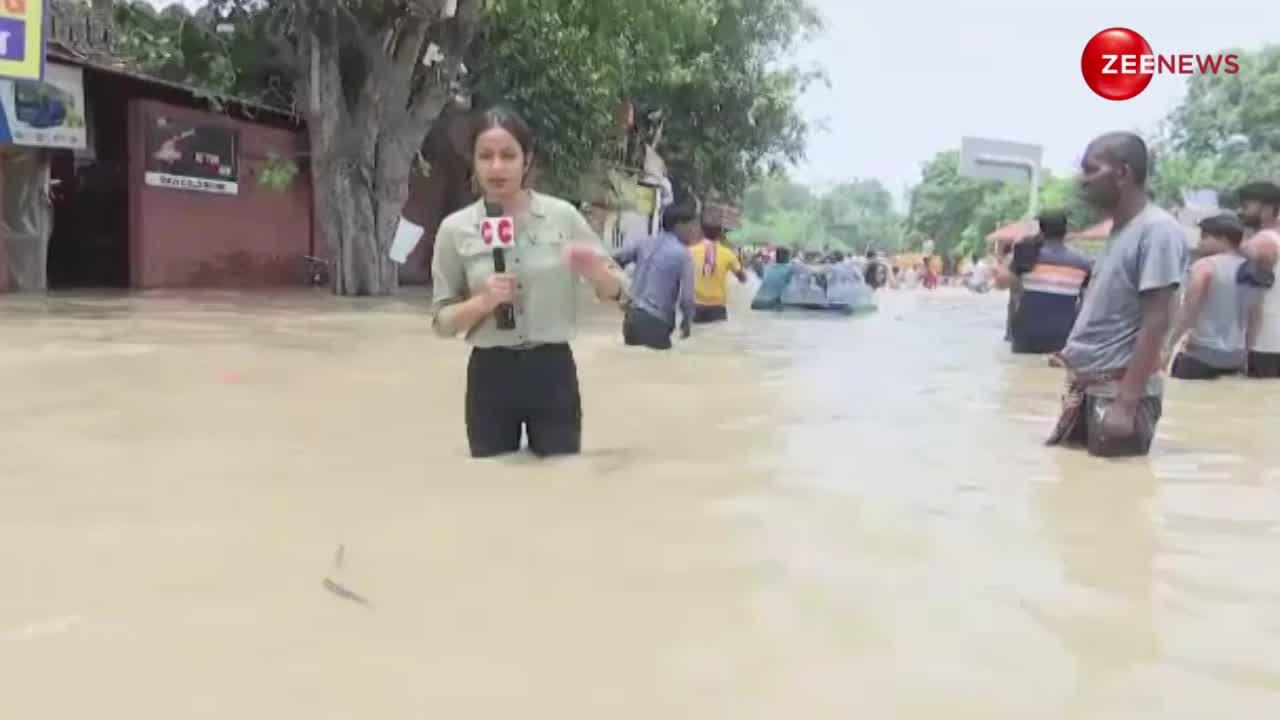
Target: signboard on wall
(44, 114)
(183, 155)
(22, 39)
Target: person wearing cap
(1209, 338)
(1052, 279)
(1260, 213)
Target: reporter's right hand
(499, 288)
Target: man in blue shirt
(663, 280)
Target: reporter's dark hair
(681, 212)
(501, 116)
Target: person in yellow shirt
(713, 260)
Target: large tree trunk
(27, 220)
(363, 143)
(358, 226)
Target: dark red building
(122, 219)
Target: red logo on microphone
(499, 230)
(1118, 64)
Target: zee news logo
(1118, 64)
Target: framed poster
(44, 114)
(183, 155)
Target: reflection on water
(789, 516)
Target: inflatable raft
(838, 289)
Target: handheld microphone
(498, 232)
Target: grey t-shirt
(1147, 253)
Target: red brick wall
(179, 238)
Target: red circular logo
(1112, 64)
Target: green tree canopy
(944, 203)
(852, 217)
(958, 212)
(1224, 133)
(716, 74)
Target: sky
(909, 78)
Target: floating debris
(342, 592)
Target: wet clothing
(546, 304)
(1053, 281)
(1080, 424)
(1264, 366)
(772, 285)
(663, 281)
(712, 264)
(1217, 340)
(525, 378)
(1147, 253)
(710, 313)
(639, 327)
(846, 290)
(1187, 367)
(534, 389)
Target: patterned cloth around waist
(1073, 398)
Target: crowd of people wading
(1152, 304)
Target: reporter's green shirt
(548, 292)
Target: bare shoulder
(1203, 267)
(1263, 247)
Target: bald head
(1124, 148)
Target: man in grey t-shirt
(1113, 355)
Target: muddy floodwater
(224, 506)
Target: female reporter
(522, 378)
